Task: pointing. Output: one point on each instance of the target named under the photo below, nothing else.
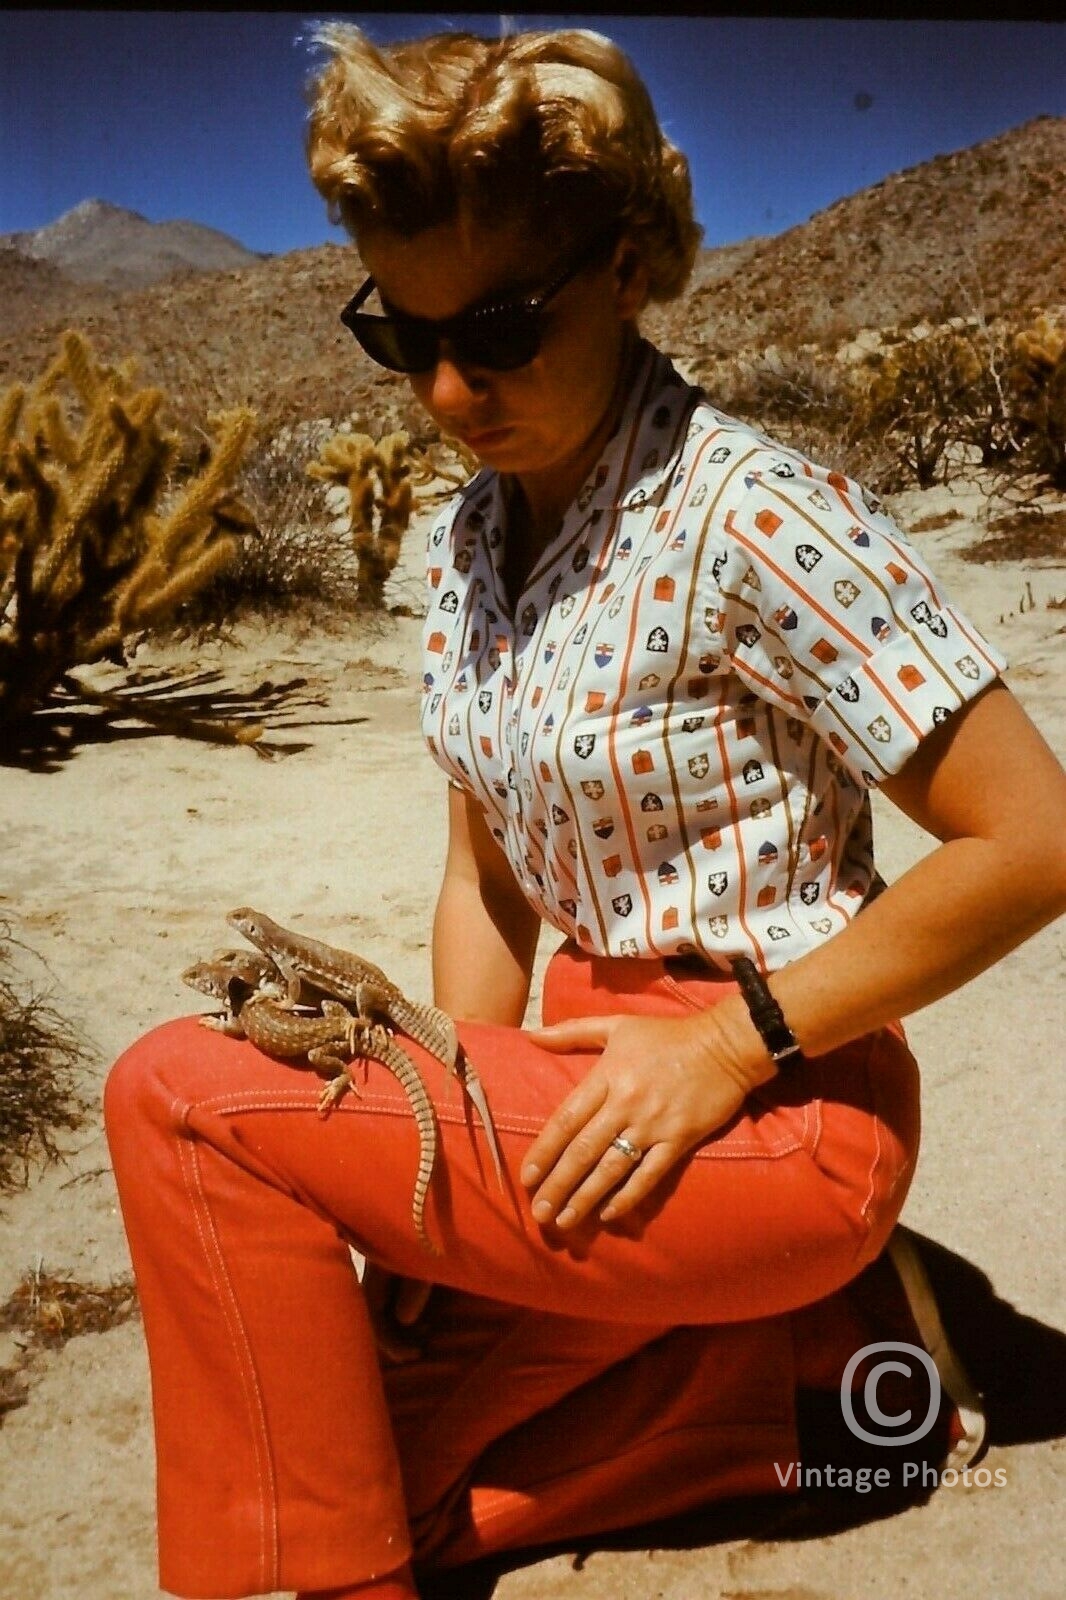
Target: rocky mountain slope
(32, 290)
(97, 242)
(983, 225)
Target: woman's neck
(537, 503)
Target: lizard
(256, 1011)
(309, 963)
(344, 976)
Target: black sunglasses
(500, 336)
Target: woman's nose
(451, 388)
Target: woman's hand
(661, 1083)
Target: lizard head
(252, 966)
(253, 924)
(234, 976)
(207, 977)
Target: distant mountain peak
(99, 242)
(97, 210)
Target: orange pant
(569, 1384)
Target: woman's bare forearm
(948, 919)
(481, 970)
(995, 795)
(484, 930)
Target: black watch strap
(766, 1014)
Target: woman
(665, 663)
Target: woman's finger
(590, 1164)
(574, 1033)
(612, 1175)
(645, 1177)
(582, 1103)
(565, 1125)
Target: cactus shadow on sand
(152, 703)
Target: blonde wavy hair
(554, 129)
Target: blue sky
(200, 115)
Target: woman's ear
(630, 279)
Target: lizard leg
(334, 1092)
(329, 1064)
(372, 1002)
(357, 1032)
(292, 979)
(224, 1022)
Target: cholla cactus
(87, 557)
(350, 459)
(397, 498)
(377, 476)
(1040, 346)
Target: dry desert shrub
(53, 1308)
(974, 390)
(783, 385)
(927, 404)
(293, 557)
(1035, 382)
(809, 402)
(917, 395)
(300, 556)
(45, 1310)
(303, 552)
(41, 1058)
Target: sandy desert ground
(118, 868)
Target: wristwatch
(766, 1014)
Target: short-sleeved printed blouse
(674, 734)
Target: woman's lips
(485, 440)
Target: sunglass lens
(499, 340)
(503, 340)
(399, 346)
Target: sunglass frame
(466, 333)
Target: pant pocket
(868, 1128)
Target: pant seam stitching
(286, 1100)
(738, 1150)
(875, 1118)
(223, 1287)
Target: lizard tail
(428, 1026)
(404, 1070)
(434, 1029)
(475, 1092)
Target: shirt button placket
(513, 672)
